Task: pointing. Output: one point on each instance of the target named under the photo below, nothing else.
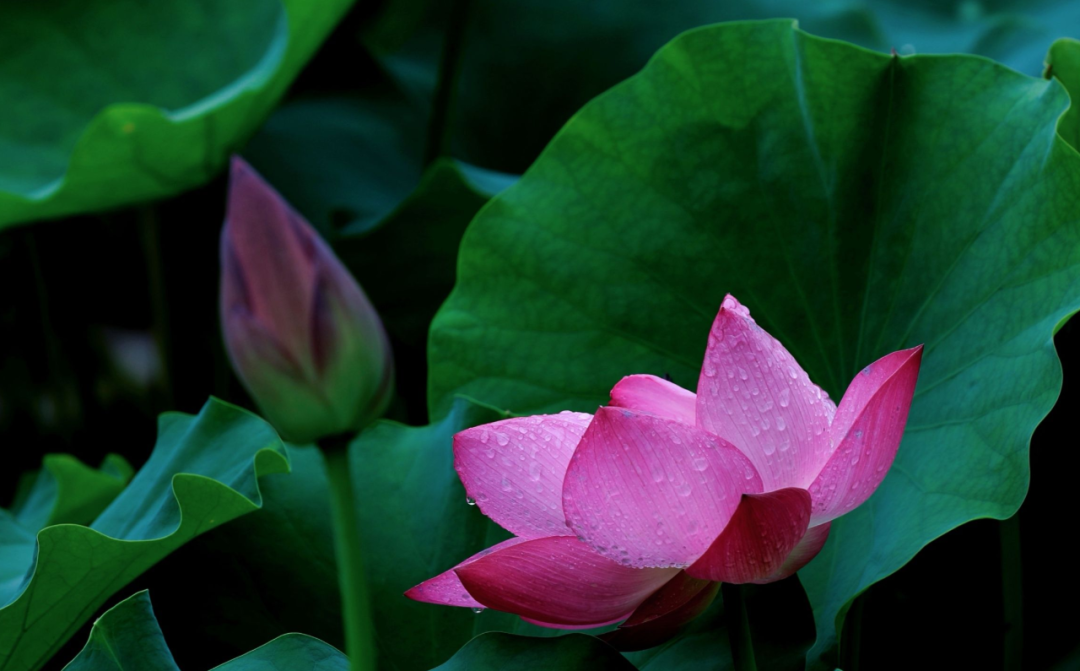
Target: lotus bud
(300, 332)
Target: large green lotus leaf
(857, 203)
(113, 102)
(128, 638)
(203, 472)
(573, 652)
(528, 65)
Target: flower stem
(159, 302)
(738, 624)
(1012, 592)
(356, 604)
(438, 134)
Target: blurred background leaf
(115, 102)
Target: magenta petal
(867, 431)
(446, 589)
(661, 616)
(807, 549)
(652, 492)
(561, 581)
(754, 394)
(760, 536)
(514, 470)
(656, 396)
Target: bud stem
(356, 604)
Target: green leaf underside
(572, 652)
(64, 491)
(108, 106)
(203, 472)
(751, 158)
(67, 491)
(127, 638)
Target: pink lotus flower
(638, 512)
(299, 330)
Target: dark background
(72, 287)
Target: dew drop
(470, 500)
(478, 610)
(502, 438)
(784, 397)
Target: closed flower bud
(300, 332)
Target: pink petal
(754, 394)
(652, 492)
(662, 615)
(514, 470)
(656, 396)
(446, 589)
(760, 536)
(867, 431)
(807, 549)
(560, 581)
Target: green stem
(356, 604)
(159, 303)
(446, 86)
(738, 624)
(1012, 592)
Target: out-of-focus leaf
(529, 65)
(857, 203)
(128, 638)
(203, 472)
(107, 104)
(407, 263)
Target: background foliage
(404, 123)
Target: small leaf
(66, 491)
(127, 638)
(203, 472)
